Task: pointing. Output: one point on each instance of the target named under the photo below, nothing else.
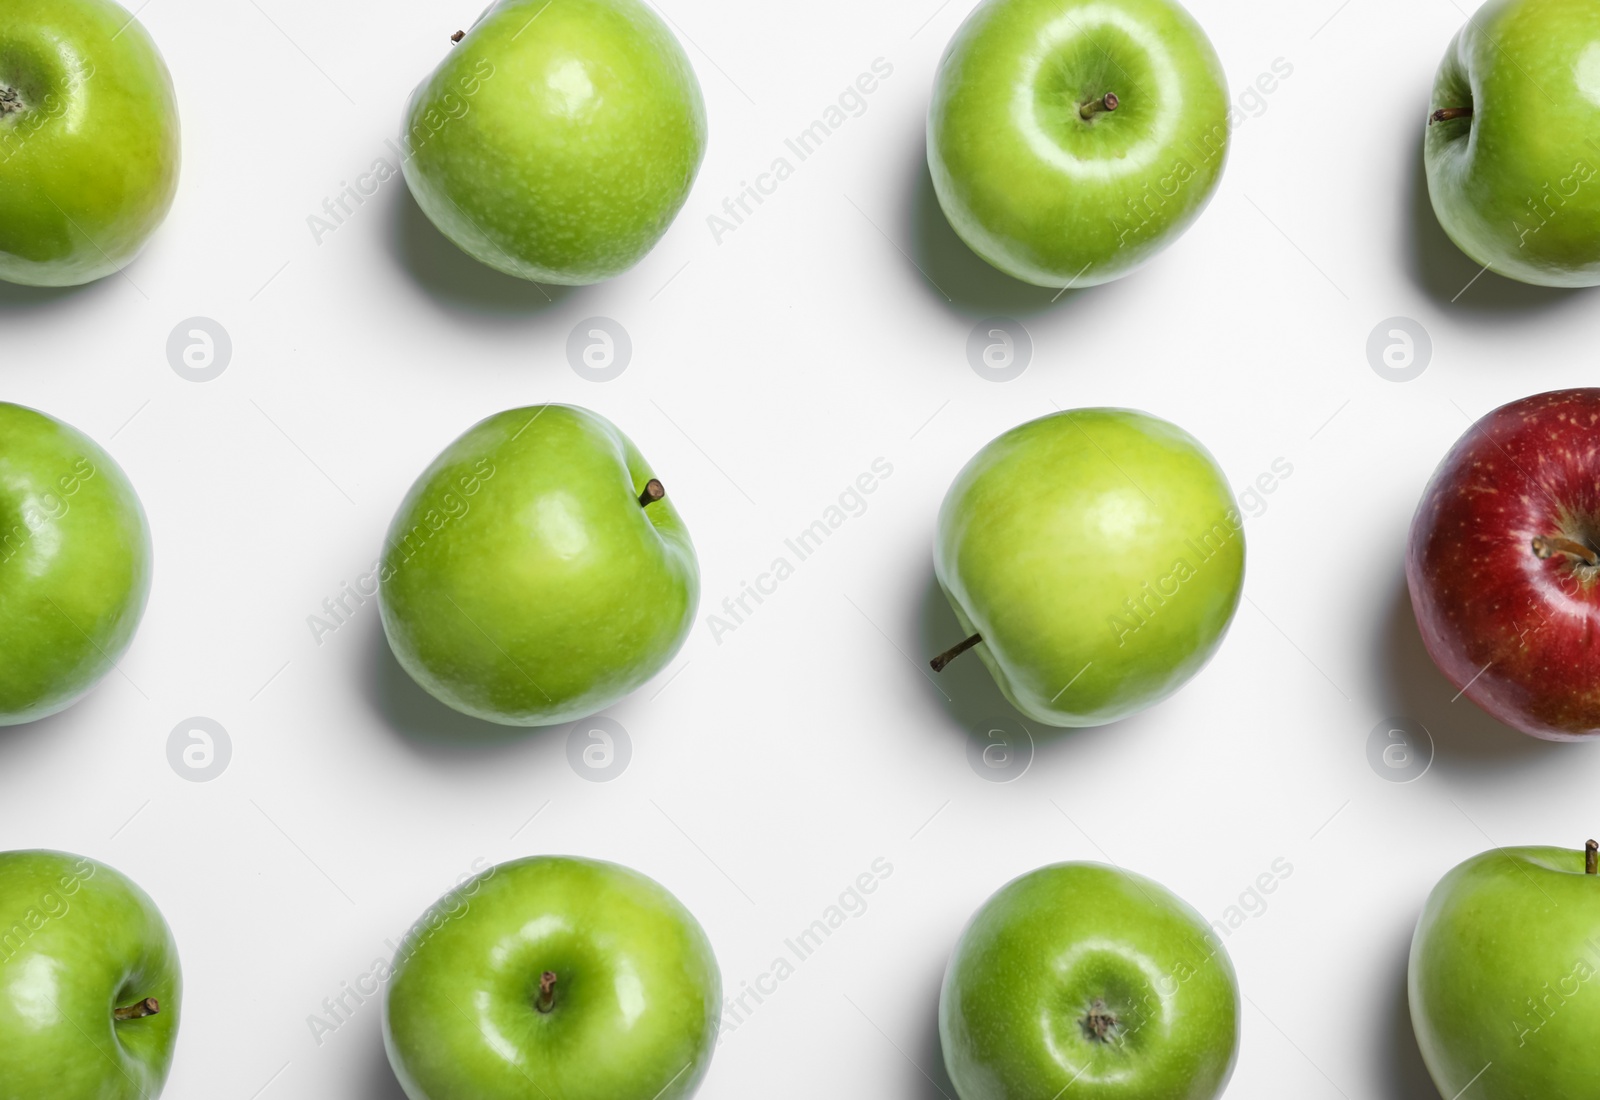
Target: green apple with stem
(89, 145)
(74, 564)
(1095, 557)
(558, 139)
(1513, 170)
(1084, 980)
(537, 571)
(90, 987)
(1504, 979)
(556, 978)
(1071, 140)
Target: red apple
(1504, 564)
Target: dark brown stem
(547, 992)
(147, 1007)
(458, 36)
(1591, 858)
(1445, 114)
(1107, 102)
(1548, 546)
(953, 652)
(653, 491)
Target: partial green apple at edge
(1069, 141)
(1504, 975)
(75, 564)
(89, 141)
(559, 139)
(560, 976)
(1513, 174)
(538, 570)
(1096, 559)
(90, 983)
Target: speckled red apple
(1504, 564)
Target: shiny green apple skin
(1056, 199)
(89, 150)
(1505, 973)
(559, 139)
(634, 1008)
(522, 581)
(1019, 1002)
(78, 941)
(74, 564)
(1516, 184)
(1100, 555)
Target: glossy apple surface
(559, 139)
(1032, 170)
(1514, 178)
(557, 979)
(1503, 563)
(1099, 555)
(74, 564)
(1085, 980)
(89, 145)
(90, 989)
(529, 578)
(1505, 977)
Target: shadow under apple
(426, 724)
(1444, 272)
(32, 299)
(455, 279)
(933, 1082)
(1405, 1075)
(380, 1083)
(1465, 739)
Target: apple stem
(954, 651)
(547, 992)
(1107, 102)
(147, 1007)
(1591, 858)
(653, 491)
(10, 100)
(1445, 114)
(1547, 546)
(458, 36)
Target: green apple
(90, 990)
(1071, 140)
(537, 572)
(89, 143)
(74, 564)
(554, 979)
(1082, 980)
(559, 139)
(1096, 557)
(1504, 979)
(1512, 167)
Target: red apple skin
(1520, 634)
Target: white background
(769, 371)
